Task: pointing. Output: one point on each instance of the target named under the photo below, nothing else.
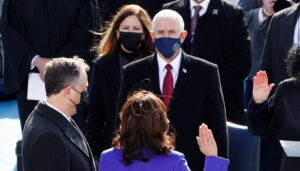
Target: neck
(56, 101)
(198, 1)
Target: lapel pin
(184, 70)
(215, 11)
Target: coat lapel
(153, 74)
(71, 135)
(183, 73)
(66, 127)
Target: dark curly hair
(144, 126)
(293, 62)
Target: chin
(73, 112)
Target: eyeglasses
(83, 95)
(76, 90)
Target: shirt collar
(51, 106)
(203, 4)
(175, 63)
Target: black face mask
(84, 97)
(130, 40)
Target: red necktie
(195, 17)
(168, 85)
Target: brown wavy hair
(144, 126)
(109, 43)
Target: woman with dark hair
(279, 116)
(126, 39)
(143, 141)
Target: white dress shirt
(64, 115)
(175, 63)
(203, 4)
(297, 32)
(261, 17)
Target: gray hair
(167, 13)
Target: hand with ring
(206, 141)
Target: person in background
(109, 8)
(52, 140)
(282, 34)
(126, 39)
(189, 86)
(143, 141)
(258, 14)
(218, 34)
(35, 31)
(278, 115)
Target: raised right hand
(261, 87)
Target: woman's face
(131, 24)
(130, 33)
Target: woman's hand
(206, 141)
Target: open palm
(261, 87)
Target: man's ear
(67, 91)
(183, 36)
(152, 35)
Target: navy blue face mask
(167, 46)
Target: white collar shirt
(203, 4)
(175, 63)
(297, 32)
(64, 115)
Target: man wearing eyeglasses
(51, 138)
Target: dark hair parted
(109, 42)
(293, 62)
(61, 72)
(144, 126)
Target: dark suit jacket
(257, 33)
(51, 142)
(197, 98)
(279, 40)
(221, 37)
(279, 118)
(46, 28)
(104, 88)
(108, 8)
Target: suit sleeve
(78, 42)
(238, 60)
(96, 113)
(215, 115)
(50, 153)
(261, 119)
(18, 51)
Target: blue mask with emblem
(167, 46)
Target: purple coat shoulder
(111, 160)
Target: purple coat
(111, 160)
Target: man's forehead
(169, 22)
(169, 19)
